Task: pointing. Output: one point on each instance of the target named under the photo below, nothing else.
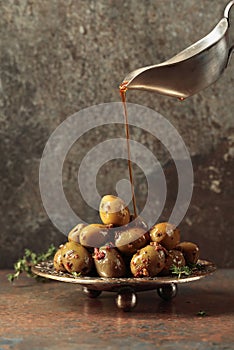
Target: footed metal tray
(126, 288)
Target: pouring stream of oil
(122, 90)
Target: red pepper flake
(137, 274)
(98, 255)
(158, 247)
(69, 265)
(145, 272)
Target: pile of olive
(123, 246)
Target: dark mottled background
(58, 57)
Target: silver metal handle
(230, 34)
(227, 9)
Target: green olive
(148, 261)
(94, 235)
(166, 234)
(114, 211)
(109, 262)
(190, 252)
(132, 239)
(173, 257)
(58, 265)
(74, 234)
(137, 222)
(76, 258)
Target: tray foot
(167, 291)
(126, 299)
(91, 293)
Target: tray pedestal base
(126, 297)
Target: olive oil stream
(122, 90)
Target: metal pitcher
(191, 70)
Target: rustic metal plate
(46, 269)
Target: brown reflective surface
(55, 315)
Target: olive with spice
(58, 264)
(190, 252)
(109, 262)
(166, 234)
(74, 234)
(114, 211)
(76, 258)
(94, 235)
(148, 261)
(131, 239)
(173, 258)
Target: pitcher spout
(190, 71)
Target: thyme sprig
(76, 274)
(181, 270)
(201, 313)
(29, 259)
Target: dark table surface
(57, 315)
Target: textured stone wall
(58, 57)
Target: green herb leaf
(76, 274)
(28, 260)
(201, 313)
(181, 270)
